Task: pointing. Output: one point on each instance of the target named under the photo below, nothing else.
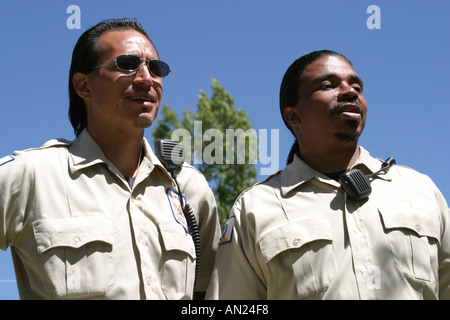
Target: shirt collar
(85, 152)
(153, 160)
(298, 172)
(366, 160)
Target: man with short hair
(99, 217)
(319, 231)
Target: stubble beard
(349, 137)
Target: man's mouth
(140, 99)
(352, 111)
(143, 99)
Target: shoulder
(401, 175)
(418, 187)
(269, 184)
(31, 156)
(411, 176)
(49, 145)
(262, 192)
(193, 182)
(192, 174)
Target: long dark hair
(290, 84)
(85, 57)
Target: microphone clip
(357, 184)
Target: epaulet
(259, 183)
(49, 144)
(270, 177)
(56, 143)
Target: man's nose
(347, 93)
(143, 75)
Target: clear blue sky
(246, 45)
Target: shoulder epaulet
(49, 144)
(56, 143)
(270, 177)
(258, 183)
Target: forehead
(116, 42)
(326, 66)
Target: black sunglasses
(131, 62)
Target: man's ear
(80, 82)
(291, 116)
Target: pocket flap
(422, 222)
(174, 239)
(72, 232)
(294, 235)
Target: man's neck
(124, 151)
(331, 162)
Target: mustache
(136, 89)
(347, 106)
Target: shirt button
(148, 281)
(362, 268)
(418, 228)
(76, 241)
(296, 242)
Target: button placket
(361, 256)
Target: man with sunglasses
(99, 217)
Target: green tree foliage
(229, 164)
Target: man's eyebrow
(329, 76)
(357, 79)
(324, 77)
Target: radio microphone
(171, 154)
(357, 184)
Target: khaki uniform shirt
(78, 230)
(298, 236)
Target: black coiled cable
(193, 231)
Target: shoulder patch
(227, 232)
(6, 159)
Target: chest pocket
(75, 254)
(178, 260)
(413, 239)
(305, 248)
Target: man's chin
(143, 122)
(351, 132)
(348, 137)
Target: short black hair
(85, 57)
(291, 82)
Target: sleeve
(209, 228)
(437, 201)
(444, 255)
(443, 214)
(3, 208)
(237, 274)
(14, 194)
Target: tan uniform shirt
(77, 230)
(297, 236)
